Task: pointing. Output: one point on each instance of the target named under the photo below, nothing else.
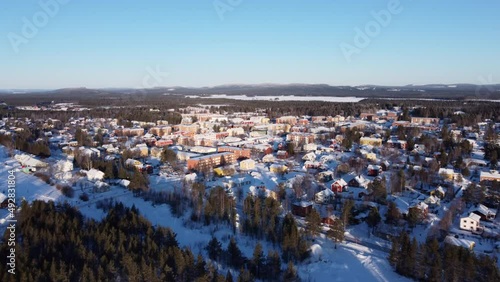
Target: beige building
(424, 120)
(370, 141)
(492, 175)
(160, 130)
(129, 132)
(248, 164)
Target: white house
(324, 196)
(268, 158)
(310, 147)
(470, 222)
(309, 157)
(26, 160)
(95, 175)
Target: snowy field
(347, 262)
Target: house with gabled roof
(470, 222)
(484, 212)
(338, 185)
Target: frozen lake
(283, 98)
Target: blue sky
(113, 43)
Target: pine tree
(273, 263)
(290, 273)
(236, 258)
(122, 172)
(313, 220)
(414, 217)
(336, 232)
(214, 249)
(412, 257)
(373, 218)
(347, 211)
(258, 261)
(245, 276)
(451, 263)
(403, 264)
(433, 260)
(229, 276)
(109, 173)
(393, 215)
(394, 253)
(290, 238)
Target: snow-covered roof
(441, 190)
(484, 210)
(94, 174)
(29, 161)
(327, 192)
(490, 174)
(64, 166)
(303, 204)
(468, 244)
(474, 217)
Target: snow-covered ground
(347, 262)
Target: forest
(431, 262)
(56, 243)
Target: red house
(329, 220)
(374, 170)
(338, 185)
(302, 208)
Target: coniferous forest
(431, 262)
(56, 243)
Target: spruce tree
(290, 273)
(313, 220)
(258, 261)
(236, 258)
(214, 249)
(373, 218)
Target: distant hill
(434, 91)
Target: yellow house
(218, 171)
(278, 168)
(142, 149)
(371, 156)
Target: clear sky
(95, 43)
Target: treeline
(31, 142)
(261, 220)
(214, 207)
(126, 108)
(432, 262)
(127, 113)
(56, 243)
(259, 266)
